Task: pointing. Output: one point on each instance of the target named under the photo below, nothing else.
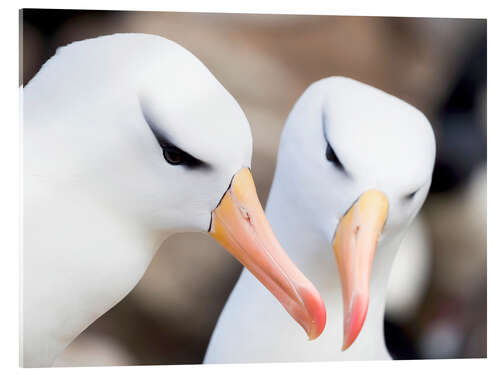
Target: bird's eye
(172, 154)
(331, 156)
(175, 156)
(411, 195)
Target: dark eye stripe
(171, 153)
(332, 156)
(410, 195)
(330, 153)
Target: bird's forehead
(197, 112)
(378, 135)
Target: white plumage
(381, 143)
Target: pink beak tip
(354, 321)
(317, 313)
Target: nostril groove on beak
(245, 214)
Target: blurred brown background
(266, 62)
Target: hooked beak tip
(318, 319)
(354, 320)
(312, 313)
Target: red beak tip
(346, 345)
(355, 321)
(316, 311)
(314, 333)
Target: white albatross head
(362, 164)
(141, 125)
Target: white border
(9, 170)
(422, 8)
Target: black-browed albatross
(129, 138)
(354, 167)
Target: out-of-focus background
(437, 299)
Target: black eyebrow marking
(189, 161)
(330, 152)
(411, 195)
(161, 138)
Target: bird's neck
(79, 259)
(313, 255)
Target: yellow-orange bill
(354, 247)
(240, 225)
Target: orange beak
(354, 247)
(240, 225)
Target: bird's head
(362, 163)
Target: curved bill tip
(316, 310)
(241, 227)
(354, 320)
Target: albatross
(354, 168)
(128, 139)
